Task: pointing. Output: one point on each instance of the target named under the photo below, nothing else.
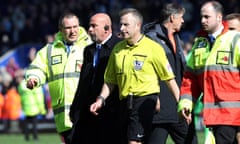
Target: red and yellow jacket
(215, 72)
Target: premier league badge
(138, 64)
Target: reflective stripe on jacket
(216, 73)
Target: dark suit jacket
(89, 87)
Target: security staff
(213, 68)
(59, 64)
(233, 20)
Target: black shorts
(140, 115)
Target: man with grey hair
(165, 31)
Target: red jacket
(216, 73)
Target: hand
(31, 83)
(157, 108)
(96, 106)
(187, 115)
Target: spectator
(32, 102)
(29, 33)
(187, 46)
(12, 102)
(18, 18)
(32, 54)
(12, 67)
(5, 39)
(20, 11)
(1, 105)
(49, 38)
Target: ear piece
(106, 27)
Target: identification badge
(56, 59)
(223, 57)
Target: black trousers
(181, 133)
(67, 136)
(135, 117)
(225, 134)
(91, 129)
(30, 120)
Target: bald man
(87, 128)
(233, 20)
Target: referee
(135, 66)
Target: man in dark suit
(87, 128)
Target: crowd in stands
(31, 21)
(11, 108)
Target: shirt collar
(218, 32)
(103, 42)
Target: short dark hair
(66, 14)
(233, 16)
(217, 6)
(133, 11)
(170, 9)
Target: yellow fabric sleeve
(185, 103)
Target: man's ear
(171, 18)
(219, 18)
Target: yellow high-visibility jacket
(61, 71)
